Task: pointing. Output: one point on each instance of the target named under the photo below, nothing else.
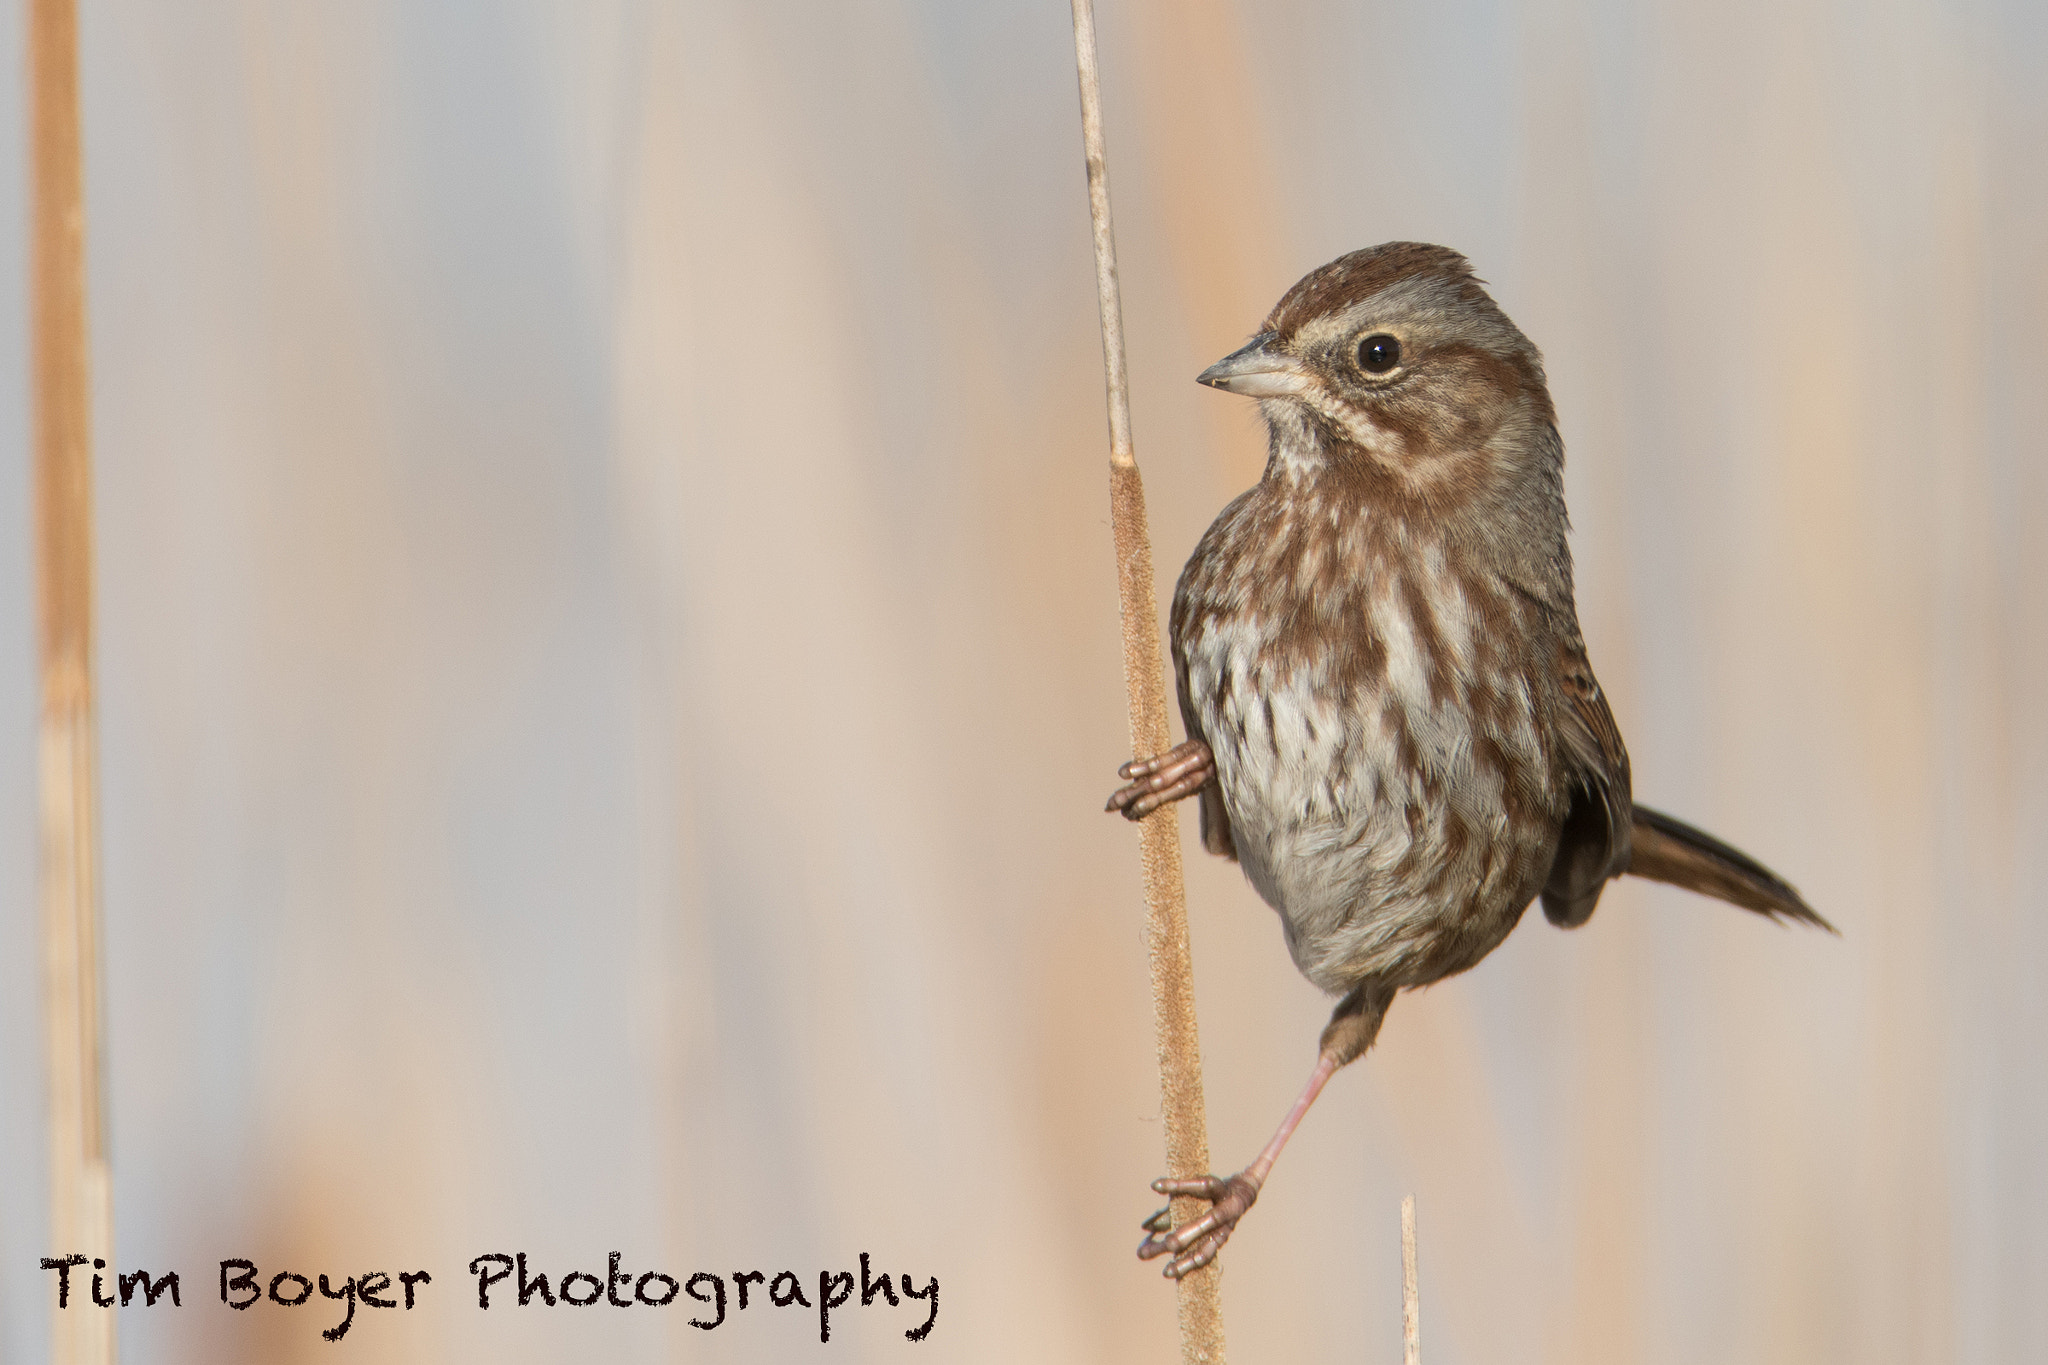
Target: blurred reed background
(608, 669)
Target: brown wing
(1215, 819)
(1216, 836)
(1594, 845)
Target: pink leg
(1181, 771)
(1195, 1243)
(1353, 1026)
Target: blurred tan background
(609, 669)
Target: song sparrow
(1391, 720)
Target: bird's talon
(1195, 1243)
(1162, 779)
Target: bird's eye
(1378, 353)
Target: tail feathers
(1668, 850)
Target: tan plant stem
(1411, 1289)
(1166, 922)
(81, 1213)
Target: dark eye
(1378, 353)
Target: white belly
(1360, 815)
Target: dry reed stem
(1166, 922)
(1411, 1289)
(81, 1212)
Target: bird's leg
(1195, 1243)
(1181, 771)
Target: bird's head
(1394, 362)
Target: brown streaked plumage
(1392, 723)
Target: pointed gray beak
(1257, 371)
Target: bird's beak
(1260, 370)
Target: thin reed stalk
(81, 1205)
(1411, 1289)
(1166, 921)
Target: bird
(1392, 724)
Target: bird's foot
(1195, 1243)
(1181, 771)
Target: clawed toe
(1162, 779)
(1195, 1243)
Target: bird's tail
(1668, 850)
